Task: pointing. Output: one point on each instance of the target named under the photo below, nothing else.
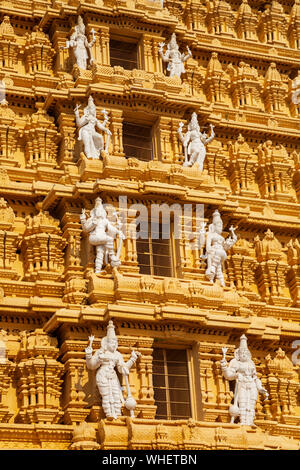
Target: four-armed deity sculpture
(216, 246)
(242, 369)
(93, 142)
(194, 142)
(81, 46)
(105, 360)
(101, 235)
(174, 58)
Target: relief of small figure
(174, 58)
(194, 142)
(242, 369)
(81, 46)
(93, 142)
(105, 361)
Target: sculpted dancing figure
(242, 369)
(101, 235)
(81, 46)
(174, 58)
(216, 247)
(93, 142)
(194, 142)
(105, 360)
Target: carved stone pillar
(59, 34)
(164, 127)
(67, 130)
(75, 403)
(116, 127)
(144, 371)
(176, 149)
(148, 53)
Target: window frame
(172, 252)
(116, 36)
(190, 368)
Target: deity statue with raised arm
(296, 89)
(174, 58)
(194, 142)
(81, 46)
(93, 142)
(105, 360)
(216, 247)
(101, 235)
(242, 369)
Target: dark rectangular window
(154, 254)
(124, 54)
(171, 384)
(137, 141)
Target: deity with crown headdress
(242, 369)
(102, 234)
(216, 246)
(194, 142)
(81, 46)
(93, 142)
(105, 360)
(174, 58)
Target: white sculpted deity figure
(81, 46)
(93, 142)
(194, 142)
(101, 235)
(296, 89)
(216, 246)
(105, 360)
(174, 58)
(242, 369)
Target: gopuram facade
(149, 224)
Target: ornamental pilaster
(272, 27)
(216, 81)
(9, 48)
(9, 135)
(42, 248)
(195, 14)
(67, 130)
(8, 242)
(38, 53)
(116, 127)
(41, 139)
(38, 379)
(274, 92)
(246, 22)
(271, 270)
(294, 25)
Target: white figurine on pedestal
(194, 142)
(101, 235)
(216, 247)
(93, 142)
(243, 370)
(106, 359)
(174, 58)
(81, 46)
(296, 89)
